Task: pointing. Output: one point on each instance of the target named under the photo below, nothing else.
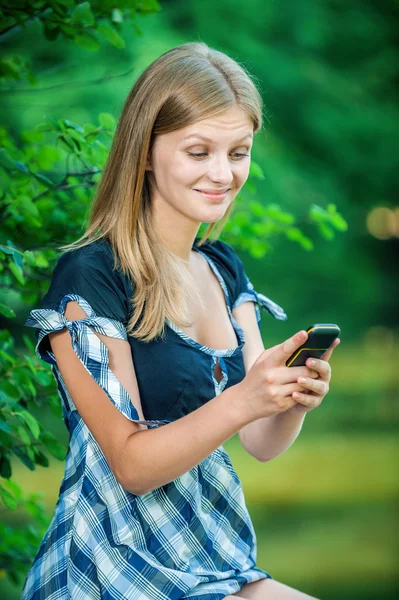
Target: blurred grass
(333, 467)
(324, 512)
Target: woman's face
(185, 166)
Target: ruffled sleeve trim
(89, 348)
(251, 295)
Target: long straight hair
(186, 84)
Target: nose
(220, 170)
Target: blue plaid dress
(191, 538)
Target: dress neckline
(236, 327)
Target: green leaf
(41, 459)
(5, 466)
(44, 127)
(53, 445)
(31, 422)
(6, 160)
(117, 16)
(7, 356)
(111, 36)
(256, 171)
(24, 458)
(17, 259)
(21, 167)
(28, 343)
(9, 390)
(30, 364)
(87, 42)
(8, 499)
(5, 427)
(74, 125)
(338, 222)
(149, 7)
(326, 231)
(17, 272)
(29, 257)
(53, 123)
(23, 435)
(41, 261)
(317, 213)
(7, 250)
(306, 243)
(273, 211)
(6, 311)
(44, 179)
(106, 120)
(44, 377)
(13, 487)
(82, 14)
(295, 235)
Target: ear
(148, 166)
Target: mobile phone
(320, 338)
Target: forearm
(154, 457)
(268, 437)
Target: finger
(293, 373)
(321, 366)
(327, 354)
(314, 385)
(283, 375)
(283, 351)
(306, 400)
(289, 388)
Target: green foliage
(255, 224)
(84, 23)
(47, 178)
(42, 192)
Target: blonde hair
(186, 84)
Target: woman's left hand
(317, 389)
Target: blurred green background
(325, 511)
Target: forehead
(232, 124)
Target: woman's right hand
(267, 388)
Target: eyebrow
(203, 137)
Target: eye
(236, 155)
(200, 155)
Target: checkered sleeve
(90, 283)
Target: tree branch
(70, 84)
(16, 28)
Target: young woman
(144, 325)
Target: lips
(210, 195)
(213, 192)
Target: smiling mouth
(212, 195)
(212, 192)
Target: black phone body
(320, 338)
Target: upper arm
(107, 424)
(246, 317)
(81, 330)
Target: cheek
(183, 172)
(242, 173)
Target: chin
(212, 218)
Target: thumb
(283, 351)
